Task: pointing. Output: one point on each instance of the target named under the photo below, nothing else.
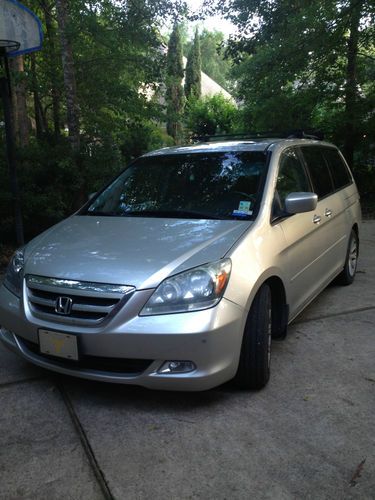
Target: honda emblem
(63, 305)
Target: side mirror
(296, 203)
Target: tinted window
(319, 172)
(291, 179)
(339, 171)
(199, 185)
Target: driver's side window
(291, 178)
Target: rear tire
(255, 358)
(346, 277)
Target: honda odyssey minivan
(180, 273)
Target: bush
(53, 183)
(364, 175)
(141, 137)
(211, 115)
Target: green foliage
(175, 67)
(47, 182)
(116, 50)
(142, 137)
(193, 70)
(44, 202)
(174, 90)
(119, 68)
(211, 115)
(51, 185)
(214, 64)
(306, 64)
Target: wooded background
(91, 99)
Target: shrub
(211, 115)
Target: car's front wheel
(255, 358)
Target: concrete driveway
(309, 434)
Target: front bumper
(211, 339)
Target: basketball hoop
(8, 46)
(20, 29)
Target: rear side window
(339, 170)
(318, 169)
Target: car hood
(131, 251)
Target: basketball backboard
(20, 29)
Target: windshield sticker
(240, 213)
(243, 209)
(244, 206)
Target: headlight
(14, 273)
(193, 290)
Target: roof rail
(237, 136)
(292, 134)
(318, 135)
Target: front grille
(126, 366)
(90, 303)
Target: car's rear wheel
(255, 358)
(346, 277)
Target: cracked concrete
(309, 434)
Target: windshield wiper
(175, 214)
(101, 214)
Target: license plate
(61, 345)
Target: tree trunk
(351, 81)
(21, 119)
(69, 76)
(51, 34)
(11, 157)
(37, 105)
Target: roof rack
(317, 135)
(292, 134)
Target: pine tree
(174, 91)
(193, 70)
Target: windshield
(225, 185)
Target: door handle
(317, 219)
(328, 212)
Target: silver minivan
(180, 272)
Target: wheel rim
(353, 257)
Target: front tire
(255, 358)
(346, 277)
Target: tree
(69, 75)
(19, 104)
(174, 89)
(302, 63)
(115, 46)
(214, 63)
(356, 8)
(50, 46)
(193, 70)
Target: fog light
(177, 367)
